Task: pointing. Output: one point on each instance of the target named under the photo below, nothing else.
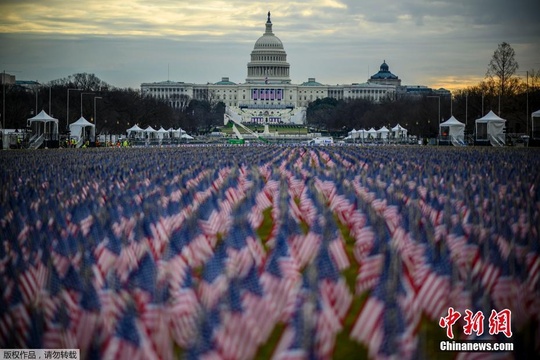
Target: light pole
(3, 104)
(483, 104)
(86, 93)
(95, 117)
(466, 107)
(527, 102)
(67, 108)
(36, 90)
(439, 119)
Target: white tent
(134, 128)
(453, 128)
(356, 134)
(50, 124)
(150, 132)
(383, 132)
(43, 117)
(399, 131)
(44, 127)
(161, 133)
(491, 128)
(535, 125)
(180, 133)
(175, 133)
(135, 131)
(372, 132)
(78, 129)
(362, 134)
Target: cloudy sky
(444, 43)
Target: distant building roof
(225, 81)
(418, 89)
(421, 90)
(167, 82)
(26, 82)
(384, 73)
(311, 82)
(369, 85)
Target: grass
(347, 348)
(430, 334)
(266, 227)
(267, 349)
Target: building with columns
(267, 95)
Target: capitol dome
(268, 59)
(268, 40)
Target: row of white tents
(150, 133)
(43, 123)
(489, 128)
(397, 132)
(45, 127)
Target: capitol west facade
(268, 96)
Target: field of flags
(266, 252)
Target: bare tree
(502, 67)
(87, 82)
(534, 79)
(182, 101)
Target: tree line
(112, 109)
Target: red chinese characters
(449, 320)
(499, 322)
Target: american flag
(210, 253)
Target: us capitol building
(268, 96)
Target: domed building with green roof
(384, 76)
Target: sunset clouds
(336, 41)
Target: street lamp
(36, 91)
(527, 108)
(86, 93)
(527, 103)
(3, 105)
(439, 120)
(95, 116)
(67, 109)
